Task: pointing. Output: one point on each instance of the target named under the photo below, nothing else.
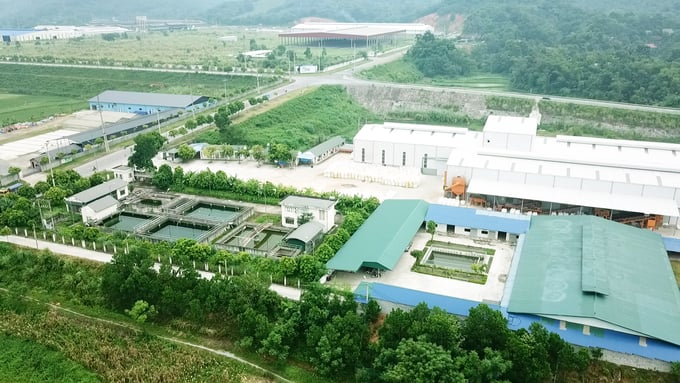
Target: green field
(29, 92)
(20, 108)
(24, 361)
(403, 71)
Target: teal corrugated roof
(327, 145)
(382, 239)
(589, 267)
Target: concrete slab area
(35, 144)
(303, 177)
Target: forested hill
(28, 13)
(466, 7)
(559, 49)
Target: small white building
(116, 188)
(124, 173)
(322, 210)
(99, 210)
(307, 68)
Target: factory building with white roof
(508, 167)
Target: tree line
(341, 339)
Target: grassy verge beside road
(403, 71)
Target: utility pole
(225, 89)
(101, 118)
(158, 119)
(49, 161)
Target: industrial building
(351, 34)
(508, 167)
(146, 103)
(56, 32)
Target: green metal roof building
(598, 273)
(383, 238)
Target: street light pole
(49, 161)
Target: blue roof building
(478, 222)
(145, 103)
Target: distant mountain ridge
(29, 13)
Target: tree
(55, 195)
(41, 187)
(484, 327)
(141, 311)
(431, 228)
(14, 170)
(163, 178)
(227, 151)
(305, 217)
(178, 177)
(191, 124)
(417, 361)
(280, 153)
(258, 153)
(186, 152)
(146, 147)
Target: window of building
(363, 154)
(290, 221)
(403, 159)
(383, 157)
(586, 330)
(425, 161)
(467, 229)
(563, 325)
(322, 215)
(643, 341)
(485, 232)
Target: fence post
(285, 281)
(207, 268)
(271, 278)
(298, 283)
(54, 237)
(170, 258)
(44, 236)
(73, 241)
(104, 246)
(82, 242)
(25, 233)
(219, 268)
(94, 245)
(114, 249)
(232, 270)
(63, 240)
(16, 231)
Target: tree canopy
(147, 145)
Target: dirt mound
(444, 23)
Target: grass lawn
(676, 270)
(25, 361)
(19, 108)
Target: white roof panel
(666, 207)
(508, 124)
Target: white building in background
(322, 210)
(507, 167)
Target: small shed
(124, 173)
(306, 237)
(99, 210)
(321, 152)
